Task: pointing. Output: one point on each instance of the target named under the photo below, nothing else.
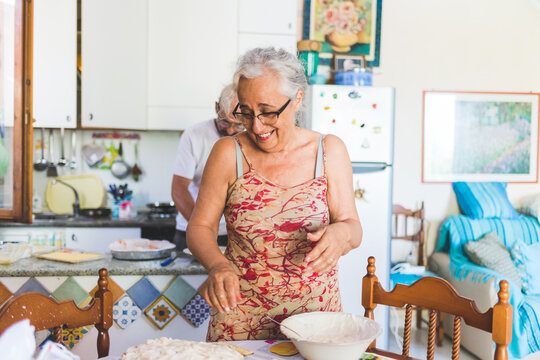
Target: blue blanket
(458, 230)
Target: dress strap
(320, 156)
(239, 162)
(239, 154)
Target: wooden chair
(46, 313)
(402, 220)
(408, 225)
(438, 294)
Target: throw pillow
(484, 200)
(526, 260)
(490, 252)
(530, 206)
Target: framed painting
(480, 136)
(347, 27)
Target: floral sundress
(267, 225)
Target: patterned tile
(196, 310)
(70, 337)
(143, 293)
(4, 293)
(116, 290)
(70, 289)
(32, 285)
(125, 311)
(86, 301)
(180, 292)
(161, 312)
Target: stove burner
(154, 215)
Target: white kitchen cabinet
(267, 17)
(55, 64)
(250, 41)
(192, 50)
(114, 63)
(98, 239)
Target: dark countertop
(139, 221)
(32, 266)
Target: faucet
(76, 204)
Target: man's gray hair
(255, 62)
(226, 99)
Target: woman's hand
(332, 242)
(222, 288)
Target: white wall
(479, 45)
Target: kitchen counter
(183, 265)
(139, 221)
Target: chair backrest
(438, 294)
(409, 225)
(46, 313)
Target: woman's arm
(221, 289)
(344, 232)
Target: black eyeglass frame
(277, 113)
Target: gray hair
(286, 65)
(226, 98)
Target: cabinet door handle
(74, 237)
(68, 118)
(91, 116)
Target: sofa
(517, 235)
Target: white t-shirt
(193, 151)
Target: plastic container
(308, 53)
(356, 77)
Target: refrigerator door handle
(361, 168)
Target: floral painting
(344, 26)
(480, 137)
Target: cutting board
(71, 256)
(60, 198)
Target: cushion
(526, 260)
(490, 252)
(484, 200)
(530, 205)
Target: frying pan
(119, 168)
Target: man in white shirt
(195, 145)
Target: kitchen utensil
(119, 168)
(331, 335)
(93, 154)
(41, 164)
(62, 161)
(136, 171)
(60, 198)
(71, 256)
(52, 171)
(73, 162)
(173, 257)
(281, 324)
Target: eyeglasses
(267, 118)
(224, 124)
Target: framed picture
(347, 62)
(480, 136)
(345, 27)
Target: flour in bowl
(176, 349)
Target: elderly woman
(288, 200)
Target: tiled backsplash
(157, 152)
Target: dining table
(261, 351)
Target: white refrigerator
(363, 117)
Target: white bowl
(330, 335)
